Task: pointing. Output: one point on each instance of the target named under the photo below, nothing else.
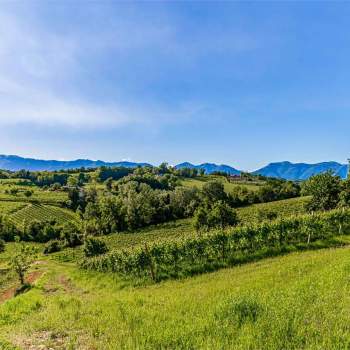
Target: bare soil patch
(10, 292)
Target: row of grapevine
(42, 213)
(11, 207)
(282, 208)
(209, 252)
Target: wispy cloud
(42, 69)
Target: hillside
(210, 168)
(263, 305)
(301, 171)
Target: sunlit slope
(298, 301)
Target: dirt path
(10, 292)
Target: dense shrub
(94, 246)
(71, 235)
(8, 231)
(2, 245)
(52, 247)
(220, 215)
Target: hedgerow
(223, 248)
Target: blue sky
(241, 83)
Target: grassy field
(229, 186)
(297, 301)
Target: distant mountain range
(285, 170)
(15, 163)
(210, 168)
(301, 171)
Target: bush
(52, 247)
(71, 235)
(2, 245)
(220, 215)
(28, 193)
(94, 246)
(264, 214)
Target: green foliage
(71, 235)
(8, 231)
(115, 173)
(200, 254)
(325, 190)
(52, 247)
(28, 193)
(220, 215)
(40, 212)
(344, 196)
(214, 191)
(2, 245)
(267, 214)
(22, 261)
(94, 246)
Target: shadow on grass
(26, 287)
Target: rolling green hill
(290, 302)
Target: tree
(28, 193)
(214, 191)
(72, 181)
(200, 219)
(94, 246)
(344, 196)
(222, 215)
(108, 183)
(2, 245)
(14, 191)
(325, 190)
(22, 261)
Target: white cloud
(36, 65)
(40, 68)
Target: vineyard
(41, 212)
(229, 186)
(184, 228)
(11, 207)
(209, 252)
(282, 208)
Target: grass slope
(296, 301)
(229, 186)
